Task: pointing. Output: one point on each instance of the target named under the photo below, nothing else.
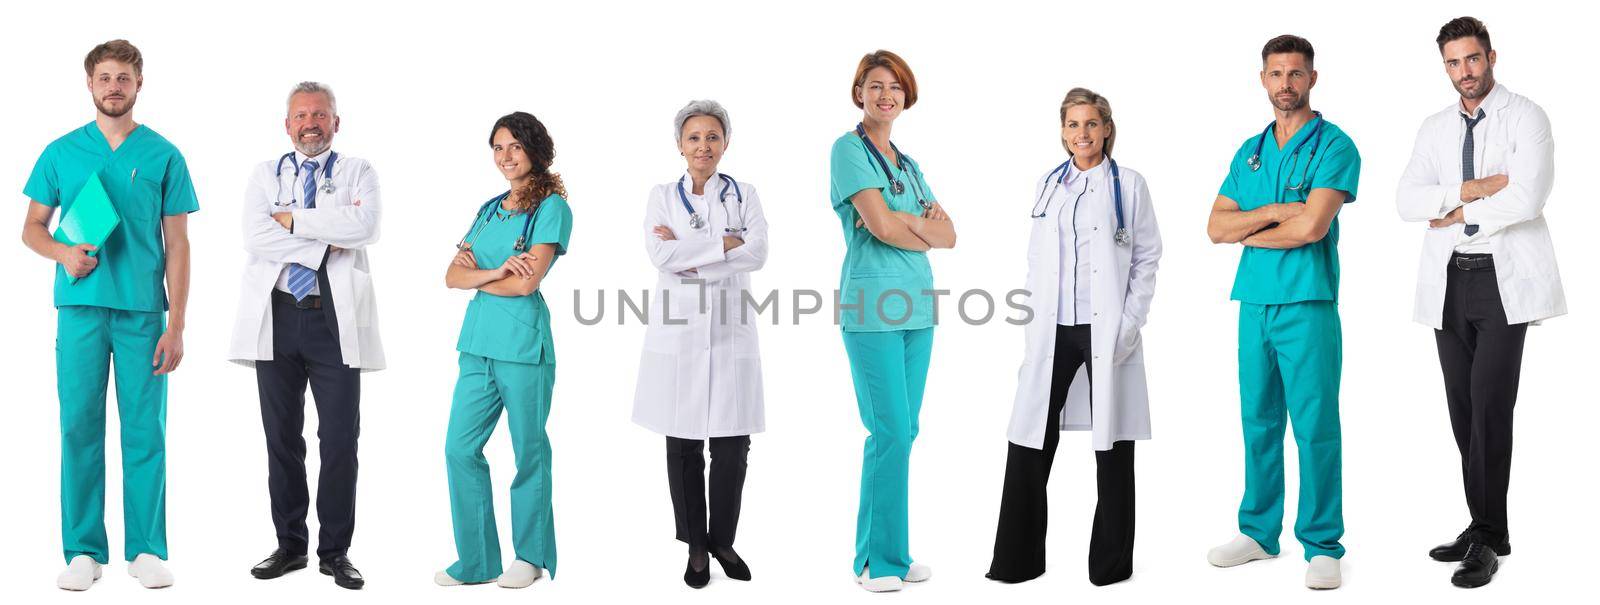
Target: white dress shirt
(1082, 191)
(1512, 139)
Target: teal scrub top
(146, 179)
(513, 328)
(873, 269)
(1310, 272)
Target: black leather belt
(1472, 262)
(309, 302)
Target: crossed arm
(1277, 226)
(919, 233)
(518, 276)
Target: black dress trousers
(686, 480)
(1481, 356)
(1019, 545)
(306, 349)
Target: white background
(418, 89)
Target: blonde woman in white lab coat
(1091, 271)
(700, 374)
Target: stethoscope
(327, 178)
(698, 222)
(488, 211)
(1315, 139)
(1042, 204)
(896, 185)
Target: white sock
(80, 574)
(521, 574)
(150, 571)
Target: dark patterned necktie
(1466, 158)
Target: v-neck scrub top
(513, 328)
(146, 179)
(1309, 272)
(872, 269)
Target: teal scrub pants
(88, 339)
(890, 370)
(1289, 362)
(523, 390)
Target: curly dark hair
(536, 142)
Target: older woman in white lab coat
(700, 374)
(1091, 271)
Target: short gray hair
(704, 107)
(314, 87)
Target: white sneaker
(918, 573)
(1322, 573)
(883, 584)
(150, 571)
(520, 575)
(445, 579)
(1243, 549)
(80, 574)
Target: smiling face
(509, 156)
(702, 144)
(1470, 67)
(1288, 79)
(881, 95)
(311, 123)
(114, 86)
(1084, 133)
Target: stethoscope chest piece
(897, 186)
(696, 221)
(1254, 162)
(1123, 238)
(327, 187)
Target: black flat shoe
(344, 573)
(732, 566)
(1456, 550)
(1477, 568)
(277, 564)
(697, 579)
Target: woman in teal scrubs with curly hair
(890, 220)
(507, 360)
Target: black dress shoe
(1477, 568)
(1455, 550)
(344, 573)
(697, 579)
(279, 563)
(732, 566)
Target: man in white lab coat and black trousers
(1083, 363)
(1480, 174)
(307, 313)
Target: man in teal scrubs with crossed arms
(113, 311)
(1281, 200)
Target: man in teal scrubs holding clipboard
(1281, 202)
(112, 315)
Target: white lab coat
(1122, 282)
(1518, 144)
(336, 221)
(700, 373)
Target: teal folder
(90, 219)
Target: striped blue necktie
(302, 278)
(1466, 158)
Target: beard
(1295, 104)
(312, 148)
(127, 106)
(1485, 83)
